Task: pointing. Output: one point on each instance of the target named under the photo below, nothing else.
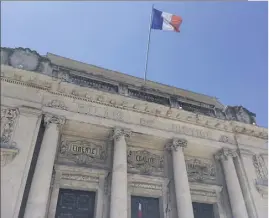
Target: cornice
(26, 78)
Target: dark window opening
(202, 210)
(75, 204)
(148, 207)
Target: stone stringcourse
(232, 119)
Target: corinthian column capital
(224, 153)
(118, 132)
(51, 118)
(176, 143)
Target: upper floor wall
(90, 76)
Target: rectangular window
(145, 207)
(75, 204)
(202, 210)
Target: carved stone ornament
(226, 139)
(262, 189)
(183, 110)
(146, 185)
(119, 132)
(7, 155)
(240, 114)
(144, 161)
(57, 104)
(8, 119)
(224, 153)
(78, 177)
(200, 170)
(176, 143)
(262, 175)
(26, 59)
(82, 152)
(51, 118)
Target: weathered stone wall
(84, 156)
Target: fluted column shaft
(234, 190)
(182, 188)
(38, 197)
(119, 202)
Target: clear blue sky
(221, 50)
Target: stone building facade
(81, 141)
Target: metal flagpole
(146, 65)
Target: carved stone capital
(7, 155)
(51, 118)
(176, 143)
(119, 132)
(224, 153)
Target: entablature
(31, 61)
(108, 105)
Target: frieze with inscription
(100, 112)
(144, 161)
(83, 152)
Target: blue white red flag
(139, 210)
(165, 21)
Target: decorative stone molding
(161, 111)
(26, 59)
(119, 132)
(7, 155)
(176, 143)
(240, 114)
(200, 170)
(51, 118)
(224, 153)
(226, 139)
(144, 185)
(79, 177)
(144, 161)
(8, 120)
(82, 152)
(260, 167)
(262, 175)
(57, 104)
(262, 189)
(205, 192)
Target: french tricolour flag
(139, 210)
(165, 21)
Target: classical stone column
(234, 190)
(182, 188)
(38, 197)
(119, 202)
(240, 166)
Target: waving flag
(165, 21)
(139, 210)
(160, 20)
